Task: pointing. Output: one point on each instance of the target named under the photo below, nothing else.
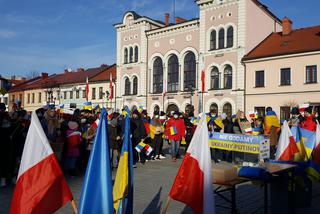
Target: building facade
(155, 57)
(283, 71)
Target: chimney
(80, 70)
(167, 18)
(44, 75)
(179, 20)
(286, 26)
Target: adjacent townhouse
(99, 88)
(283, 70)
(155, 57)
(5, 85)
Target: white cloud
(7, 34)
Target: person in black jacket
(115, 138)
(139, 133)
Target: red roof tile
(298, 41)
(105, 75)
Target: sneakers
(162, 157)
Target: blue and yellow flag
(305, 140)
(271, 119)
(98, 178)
(126, 111)
(87, 105)
(123, 185)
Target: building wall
(104, 102)
(32, 105)
(275, 95)
(73, 88)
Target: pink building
(153, 56)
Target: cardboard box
(224, 171)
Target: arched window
(213, 40)
(228, 77)
(157, 75)
(126, 86)
(227, 108)
(135, 85)
(173, 73)
(136, 53)
(130, 55)
(156, 109)
(189, 71)
(215, 78)
(230, 37)
(214, 108)
(125, 55)
(221, 38)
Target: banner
(240, 143)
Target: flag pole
(74, 206)
(166, 205)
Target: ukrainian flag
(61, 108)
(173, 130)
(256, 131)
(218, 122)
(308, 140)
(271, 119)
(152, 129)
(123, 185)
(126, 111)
(87, 105)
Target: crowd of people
(72, 136)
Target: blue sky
(50, 35)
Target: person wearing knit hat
(308, 122)
(295, 118)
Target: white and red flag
(287, 146)
(87, 89)
(110, 87)
(193, 183)
(41, 186)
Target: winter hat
(295, 111)
(309, 110)
(73, 125)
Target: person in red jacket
(176, 132)
(309, 120)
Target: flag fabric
(308, 140)
(148, 149)
(287, 146)
(96, 195)
(173, 130)
(95, 124)
(140, 146)
(87, 89)
(218, 121)
(256, 131)
(87, 105)
(110, 87)
(302, 107)
(316, 151)
(203, 76)
(193, 183)
(248, 130)
(123, 185)
(61, 107)
(126, 111)
(41, 186)
(271, 119)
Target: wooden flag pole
(74, 206)
(166, 205)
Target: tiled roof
(105, 75)
(298, 41)
(23, 85)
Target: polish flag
(193, 183)
(110, 87)
(41, 186)
(96, 123)
(87, 89)
(287, 146)
(316, 151)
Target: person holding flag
(177, 130)
(123, 184)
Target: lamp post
(108, 94)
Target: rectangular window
(285, 74)
(71, 94)
(77, 94)
(311, 74)
(285, 112)
(100, 93)
(20, 97)
(13, 98)
(65, 95)
(39, 97)
(93, 93)
(259, 79)
(261, 110)
(46, 98)
(32, 97)
(83, 93)
(28, 99)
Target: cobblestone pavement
(152, 183)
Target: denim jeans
(174, 148)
